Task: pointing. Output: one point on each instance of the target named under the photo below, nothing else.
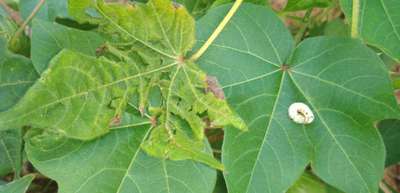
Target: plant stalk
(355, 18)
(30, 17)
(13, 14)
(217, 31)
(306, 20)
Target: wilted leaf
(343, 82)
(81, 96)
(73, 97)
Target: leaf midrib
(131, 35)
(133, 160)
(267, 131)
(162, 28)
(15, 83)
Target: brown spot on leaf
(214, 87)
(396, 69)
(115, 121)
(101, 50)
(398, 96)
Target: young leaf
(18, 186)
(308, 183)
(344, 83)
(114, 164)
(390, 130)
(379, 24)
(48, 39)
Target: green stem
(355, 18)
(26, 22)
(217, 31)
(306, 20)
(12, 13)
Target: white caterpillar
(300, 113)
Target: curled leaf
(81, 96)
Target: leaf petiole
(217, 31)
(355, 18)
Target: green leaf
(48, 39)
(3, 12)
(220, 186)
(114, 164)
(309, 183)
(390, 130)
(73, 97)
(8, 28)
(10, 152)
(155, 28)
(81, 96)
(16, 76)
(18, 186)
(379, 24)
(296, 5)
(262, 81)
(336, 27)
(49, 11)
(183, 148)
